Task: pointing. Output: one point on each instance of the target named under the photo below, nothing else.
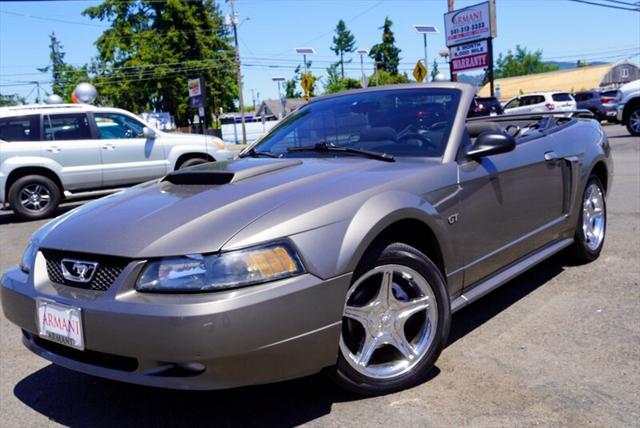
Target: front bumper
(260, 334)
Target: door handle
(53, 149)
(109, 146)
(550, 156)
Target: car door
(512, 204)
(127, 157)
(69, 143)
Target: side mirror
(149, 133)
(491, 143)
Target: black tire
(399, 254)
(29, 211)
(579, 251)
(634, 119)
(192, 162)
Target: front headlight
(29, 256)
(196, 273)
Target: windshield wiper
(257, 153)
(327, 147)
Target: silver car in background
(342, 241)
(51, 153)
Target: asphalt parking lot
(560, 345)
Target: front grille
(108, 270)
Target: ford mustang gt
(342, 241)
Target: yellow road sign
(419, 72)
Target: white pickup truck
(50, 153)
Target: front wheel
(633, 123)
(592, 226)
(395, 322)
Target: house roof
(572, 80)
(273, 107)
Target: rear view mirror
(149, 133)
(491, 143)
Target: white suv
(54, 152)
(540, 102)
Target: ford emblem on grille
(78, 270)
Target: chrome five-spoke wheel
(389, 322)
(593, 217)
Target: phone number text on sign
(469, 24)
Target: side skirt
(481, 288)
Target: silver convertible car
(341, 241)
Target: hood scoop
(218, 173)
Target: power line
(637, 9)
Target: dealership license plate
(60, 323)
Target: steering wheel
(437, 125)
(416, 136)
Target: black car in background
(485, 106)
(601, 104)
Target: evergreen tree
(521, 63)
(65, 76)
(434, 70)
(386, 54)
(343, 42)
(153, 47)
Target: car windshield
(403, 122)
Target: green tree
(386, 54)
(291, 86)
(336, 83)
(521, 63)
(153, 47)
(382, 77)
(11, 100)
(65, 76)
(582, 63)
(343, 42)
(434, 70)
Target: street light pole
(283, 103)
(234, 23)
(426, 64)
(362, 53)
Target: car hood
(197, 210)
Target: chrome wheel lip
(386, 325)
(34, 197)
(593, 217)
(634, 121)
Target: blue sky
(563, 30)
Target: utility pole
(234, 23)
(451, 7)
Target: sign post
(197, 99)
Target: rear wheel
(592, 226)
(395, 322)
(633, 123)
(34, 197)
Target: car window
(582, 96)
(562, 96)
(59, 127)
(116, 126)
(22, 128)
(529, 100)
(513, 103)
(397, 122)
